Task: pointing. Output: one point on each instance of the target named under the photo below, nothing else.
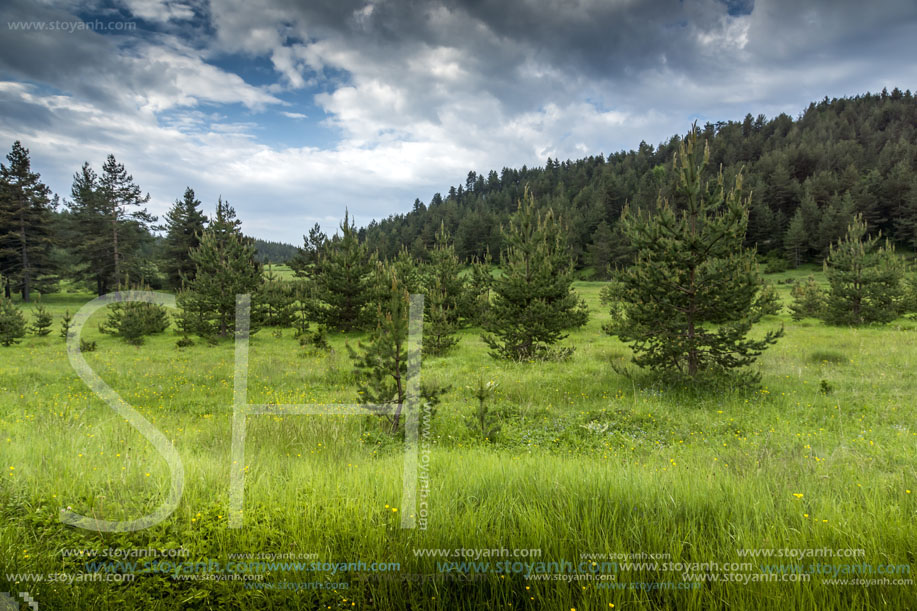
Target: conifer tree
(443, 274)
(25, 222)
(184, 226)
(225, 266)
(474, 303)
(687, 303)
(601, 251)
(381, 363)
(121, 200)
(533, 301)
(12, 323)
(88, 232)
(796, 240)
(864, 274)
(275, 302)
(808, 299)
(344, 279)
(65, 323)
(42, 321)
(440, 321)
(444, 290)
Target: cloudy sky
(293, 110)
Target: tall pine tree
(121, 203)
(687, 303)
(25, 222)
(343, 274)
(185, 224)
(225, 266)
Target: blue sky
(295, 110)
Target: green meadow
(589, 466)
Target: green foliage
(184, 226)
(688, 302)
(483, 421)
(65, 323)
(25, 222)
(533, 300)
(601, 250)
(380, 363)
(767, 303)
(317, 340)
(808, 299)
(12, 323)
(474, 302)
(837, 157)
(41, 321)
(439, 321)
(132, 321)
(275, 302)
(108, 225)
(87, 346)
(865, 279)
(225, 267)
(342, 271)
(445, 291)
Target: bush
(41, 325)
(12, 323)
(808, 299)
(132, 321)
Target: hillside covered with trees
(808, 177)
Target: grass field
(588, 465)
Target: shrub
(808, 299)
(12, 323)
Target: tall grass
(587, 462)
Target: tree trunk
(26, 272)
(114, 228)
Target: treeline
(102, 237)
(808, 178)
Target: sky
(295, 110)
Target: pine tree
(865, 277)
(25, 222)
(306, 258)
(533, 299)
(118, 197)
(796, 240)
(42, 321)
(443, 273)
(381, 362)
(474, 303)
(444, 290)
(601, 250)
(12, 323)
(687, 303)
(275, 302)
(808, 299)
(65, 323)
(225, 266)
(440, 321)
(88, 231)
(344, 279)
(132, 321)
(184, 226)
